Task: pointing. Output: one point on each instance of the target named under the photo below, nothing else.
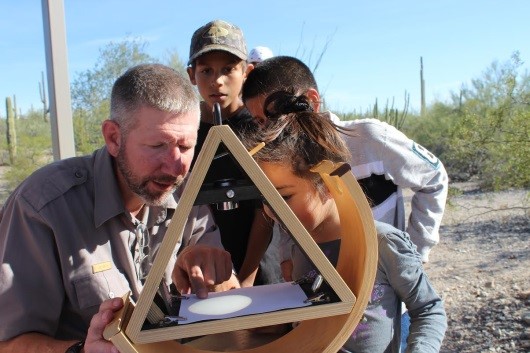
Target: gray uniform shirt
(67, 243)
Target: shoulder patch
(52, 181)
(426, 155)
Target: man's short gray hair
(154, 85)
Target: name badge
(102, 266)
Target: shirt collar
(107, 199)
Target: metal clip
(317, 283)
(308, 278)
(303, 280)
(222, 154)
(168, 320)
(179, 296)
(317, 298)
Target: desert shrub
(493, 146)
(34, 147)
(432, 129)
(389, 113)
(489, 131)
(91, 90)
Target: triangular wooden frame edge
(216, 135)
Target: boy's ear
(314, 98)
(112, 135)
(191, 74)
(250, 67)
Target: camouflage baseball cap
(218, 35)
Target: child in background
(218, 66)
(296, 139)
(258, 54)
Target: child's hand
(287, 270)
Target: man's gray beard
(139, 187)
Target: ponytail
(296, 135)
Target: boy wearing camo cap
(218, 66)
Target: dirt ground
(481, 270)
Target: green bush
(35, 147)
(491, 138)
(494, 146)
(432, 130)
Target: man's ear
(191, 74)
(314, 98)
(112, 135)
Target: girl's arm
(404, 271)
(259, 239)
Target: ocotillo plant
(392, 115)
(11, 131)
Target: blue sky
(374, 47)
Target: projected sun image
(242, 301)
(220, 305)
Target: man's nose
(173, 163)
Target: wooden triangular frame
(216, 135)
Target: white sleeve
(411, 166)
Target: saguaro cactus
(422, 87)
(11, 131)
(43, 99)
(15, 109)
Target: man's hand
(33, 342)
(95, 343)
(199, 267)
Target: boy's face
(219, 77)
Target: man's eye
(286, 197)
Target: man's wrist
(76, 347)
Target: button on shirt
(65, 246)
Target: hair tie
(283, 103)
